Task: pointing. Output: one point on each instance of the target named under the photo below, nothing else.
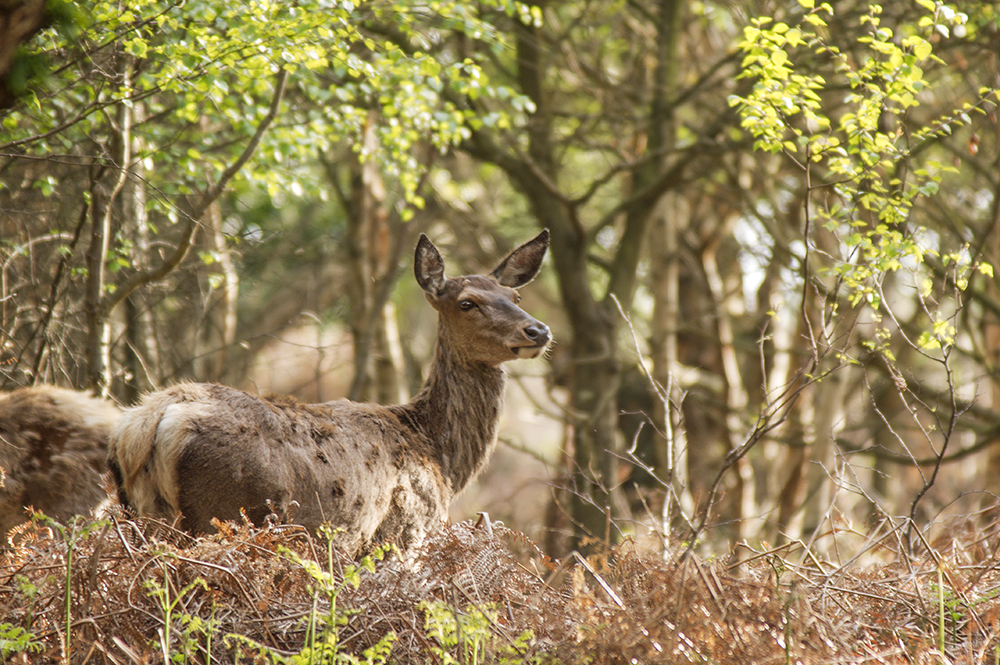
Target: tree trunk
(140, 354)
(813, 424)
(218, 329)
(780, 381)
(98, 332)
(104, 195)
(667, 218)
(359, 276)
(671, 453)
(991, 334)
(595, 378)
(822, 474)
(736, 396)
(372, 254)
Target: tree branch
(210, 196)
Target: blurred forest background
(774, 226)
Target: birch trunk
(104, 195)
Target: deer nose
(537, 332)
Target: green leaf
(922, 49)
(137, 47)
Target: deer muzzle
(536, 338)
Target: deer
(53, 450)
(194, 453)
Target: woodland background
(773, 239)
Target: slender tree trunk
(104, 195)
(98, 332)
(991, 333)
(140, 352)
(810, 462)
(593, 378)
(780, 381)
(885, 402)
(218, 331)
(822, 474)
(667, 219)
(359, 275)
(736, 396)
(671, 439)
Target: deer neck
(458, 410)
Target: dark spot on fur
(406, 418)
(378, 422)
(322, 457)
(51, 441)
(398, 457)
(338, 488)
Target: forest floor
(482, 593)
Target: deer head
(478, 314)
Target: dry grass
(627, 607)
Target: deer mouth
(528, 352)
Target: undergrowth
(128, 592)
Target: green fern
(15, 640)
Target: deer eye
(466, 305)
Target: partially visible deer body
(379, 473)
(53, 450)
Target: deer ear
(428, 266)
(521, 266)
